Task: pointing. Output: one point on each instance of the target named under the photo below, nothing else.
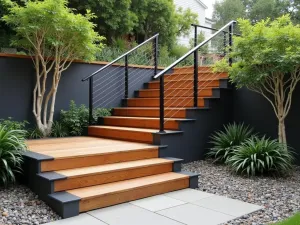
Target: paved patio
(189, 207)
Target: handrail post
(91, 96)
(196, 63)
(161, 104)
(230, 42)
(225, 43)
(155, 49)
(126, 76)
(196, 37)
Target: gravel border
(19, 205)
(279, 196)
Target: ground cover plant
(12, 146)
(257, 156)
(225, 140)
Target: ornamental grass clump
(258, 156)
(224, 141)
(12, 146)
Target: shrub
(59, 130)
(35, 133)
(224, 141)
(10, 124)
(77, 118)
(12, 145)
(261, 156)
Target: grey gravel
(279, 196)
(19, 205)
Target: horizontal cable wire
(135, 74)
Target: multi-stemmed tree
(267, 58)
(54, 37)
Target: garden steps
(122, 158)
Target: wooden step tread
(177, 89)
(144, 118)
(97, 151)
(78, 172)
(184, 80)
(166, 99)
(95, 146)
(130, 129)
(182, 72)
(147, 108)
(122, 186)
(59, 140)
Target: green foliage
(225, 141)
(263, 9)
(221, 66)
(56, 26)
(261, 156)
(266, 49)
(108, 54)
(164, 58)
(10, 124)
(184, 20)
(157, 16)
(58, 130)
(294, 220)
(267, 57)
(254, 10)
(143, 18)
(35, 133)
(54, 36)
(178, 50)
(77, 118)
(114, 17)
(12, 145)
(227, 10)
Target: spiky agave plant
(261, 156)
(12, 146)
(224, 141)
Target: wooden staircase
(120, 160)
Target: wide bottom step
(72, 202)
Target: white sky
(209, 4)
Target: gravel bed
(279, 196)
(19, 205)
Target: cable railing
(114, 81)
(189, 81)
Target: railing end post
(91, 93)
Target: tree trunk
(281, 132)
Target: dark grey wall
(253, 109)
(17, 82)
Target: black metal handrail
(120, 57)
(210, 28)
(194, 51)
(126, 78)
